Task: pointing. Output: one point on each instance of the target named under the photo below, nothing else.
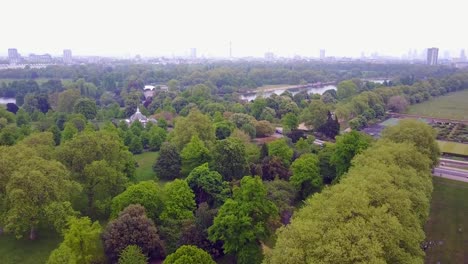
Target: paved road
(449, 173)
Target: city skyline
(241, 28)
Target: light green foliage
(82, 237)
(43, 143)
(132, 255)
(93, 146)
(346, 147)
(189, 254)
(280, 148)
(306, 174)
(33, 185)
(346, 89)
(86, 107)
(374, 215)
(264, 128)
(67, 99)
(69, 131)
(195, 123)
(229, 158)
(147, 193)
(303, 146)
(179, 201)
(417, 133)
(57, 214)
(290, 121)
(207, 185)
(243, 219)
(315, 115)
(194, 154)
(157, 136)
(100, 183)
(22, 117)
(62, 255)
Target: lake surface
(310, 90)
(6, 100)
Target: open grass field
(453, 106)
(453, 147)
(24, 251)
(145, 162)
(447, 227)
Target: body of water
(6, 100)
(310, 90)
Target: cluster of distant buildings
(429, 56)
(14, 58)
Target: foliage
(346, 147)
(315, 114)
(229, 158)
(132, 227)
(195, 123)
(306, 175)
(397, 104)
(169, 163)
(272, 168)
(346, 89)
(132, 255)
(193, 155)
(86, 107)
(280, 148)
(207, 185)
(417, 133)
(146, 193)
(290, 121)
(179, 201)
(244, 218)
(327, 169)
(264, 128)
(189, 254)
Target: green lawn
(453, 106)
(453, 147)
(448, 222)
(24, 251)
(145, 162)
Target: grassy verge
(447, 227)
(13, 251)
(452, 105)
(145, 162)
(453, 147)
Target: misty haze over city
(172, 28)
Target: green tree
(132, 255)
(279, 148)
(243, 220)
(264, 128)
(195, 123)
(290, 121)
(62, 255)
(146, 193)
(346, 147)
(327, 169)
(86, 107)
(157, 136)
(315, 115)
(417, 133)
(67, 100)
(179, 201)
(136, 147)
(346, 89)
(100, 183)
(34, 185)
(306, 175)
(69, 131)
(132, 227)
(81, 242)
(229, 158)
(193, 155)
(207, 185)
(22, 118)
(169, 163)
(189, 254)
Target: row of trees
(377, 211)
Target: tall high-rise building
(462, 55)
(432, 55)
(67, 56)
(13, 56)
(322, 54)
(193, 53)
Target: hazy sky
(287, 28)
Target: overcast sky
(286, 27)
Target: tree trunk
(32, 233)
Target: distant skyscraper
(322, 54)
(67, 56)
(193, 53)
(432, 55)
(269, 56)
(462, 55)
(13, 56)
